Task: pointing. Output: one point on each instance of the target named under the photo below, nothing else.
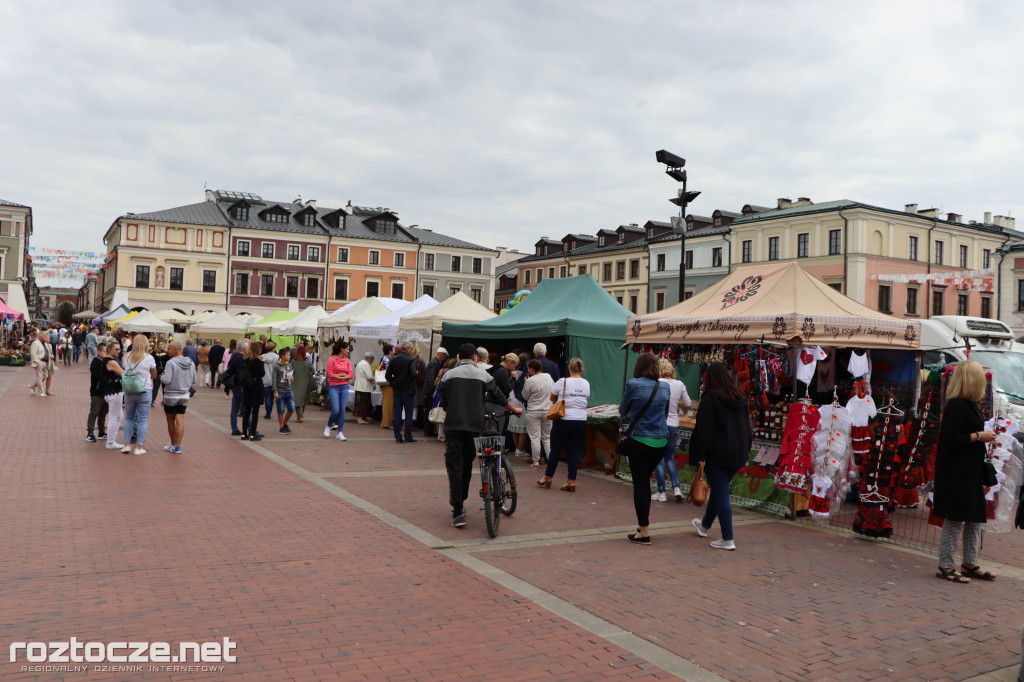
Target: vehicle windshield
(1007, 372)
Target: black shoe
(101, 436)
(245, 436)
(635, 537)
(258, 436)
(90, 438)
(459, 521)
(236, 433)
(399, 440)
(411, 440)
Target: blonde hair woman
(136, 419)
(678, 398)
(959, 481)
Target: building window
(478, 266)
(620, 270)
(618, 299)
(384, 226)
(540, 274)
(961, 304)
(457, 264)
(177, 282)
(562, 272)
(551, 272)
(241, 213)
(773, 248)
(838, 286)
(659, 300)
(293, 252)
(632, 304)
(803, 241)
(291, 287)
(938, 299)
(476, 294)
(341, 289)
(885, 298)
(242, 283)
(963, 256)
(986, 258)
(428, 290)
(398, 290)
(309, 220)
(399, 260)
(142, 276)
(242, 249)
(660, 263)
(912, 248)
(986, 306)
(600, 241)
(634, 270)
(835, 242)
(428, 261)
(372, 288)
(688, 258)
(748, 251)
(1020, 295)
(312, 288)
(911, 301)
(373, 258)
(275, 217)
(606, 271)
(209, 281)
(938, 252)
(716, 257)
(268, 249)
(313, 254)
(526, 276)
(266, 285)
(342, 255)
(583, 269)
(453, 290)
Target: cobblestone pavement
(331, 560)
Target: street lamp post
(675, 171)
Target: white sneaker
(678, 493)
(341, 436)
(42, 395)
(140, 451)
(659, 497)
(169, 448)
(115, 446)
(327, 432)
(724, 544)
(701, 530)
(126, 449)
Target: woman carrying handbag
(721, 440)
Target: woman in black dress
(959, 487)
(251, 381)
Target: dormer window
(650, 233)
(542, 250)
(309, 220)
(240, 212)
(621, 239)
(570, 245)
(384, 226)
(600, 240)
(275, 217)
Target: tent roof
(386, 326)
(268, 322)
(573, 306)
(119, 311)
(457, 308)
(7, 311)
(144, 321)
(362, 310)
(304, 323)
(112, 321)
(85, 315)
(220, 323)
(174, 316)
(781, 303)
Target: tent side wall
(604, 366)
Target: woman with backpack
(137, 382)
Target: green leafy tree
(64, 312)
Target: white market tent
(386, 326)
(220, 323)
(145, 321)
(457, 308)
(174, 316)
(360, 311)
(303, 324)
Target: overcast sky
(501, 122)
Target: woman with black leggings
(252, 391)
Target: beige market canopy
(457, 308)
(780, 303)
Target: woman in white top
(678, 397)
(537, 396)
(136, 405)
(570, 429)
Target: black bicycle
(498, 481)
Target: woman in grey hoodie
(178, 377)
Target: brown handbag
(699, 487)
(557, 410)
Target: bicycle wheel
(509, 496)
(492, 500)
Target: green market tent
(574, 313)
(268, 325)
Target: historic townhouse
(551, 259)
(15, 232)
(910, 263)
(448, 266)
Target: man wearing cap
(464, 389)
(433, 369)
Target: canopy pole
(625, 368)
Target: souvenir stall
(802, 353)
(11, 336)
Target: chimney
(954, 217)
(988, 217)
(210, 196)
(311, 202)
(785, 203)
(348, 207)
(1004, 221)
(297, 200)
(803, 201)
(929, 213)
(910, 208)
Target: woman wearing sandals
(567, 432)
(959, 473)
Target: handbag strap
(634, 420)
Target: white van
(945, 337)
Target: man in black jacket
(231, 383)
(216, 357)
(464, 389)
(540, 351)
(98, 407)
(401, 374)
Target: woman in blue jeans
(136, 405)
(678, 398)
(721, 440)
(567, 432)
(339, 374)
